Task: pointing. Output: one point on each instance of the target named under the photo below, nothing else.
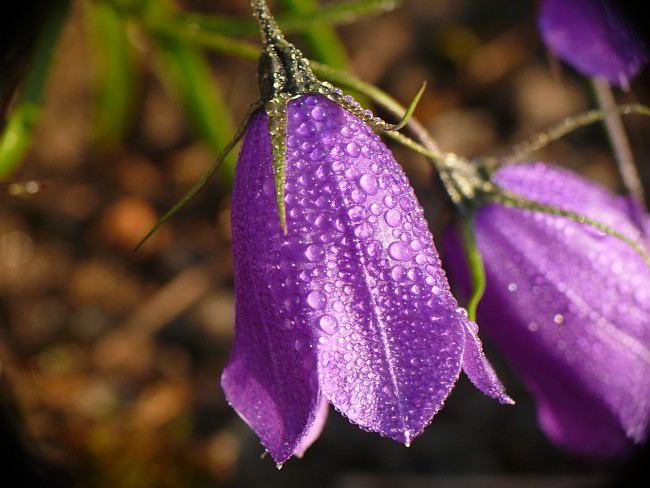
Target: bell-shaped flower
(568, 306)
(351, 306)
(594, 37)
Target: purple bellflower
(340, 294)
(594, 37)
(568, 306)
(351, 306)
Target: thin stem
(203, 180)
(512, 200)
(570, 124)
(476, 267)
(620, 143)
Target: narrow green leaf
(18, 132)
(116, 73)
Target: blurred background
(110, 359)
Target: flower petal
(479, 370)
(391, 341)
(271, 378)
(593, 36)
(570, 307)
(316, 428)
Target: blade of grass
(18, 132)
(116, 75)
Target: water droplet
(317, 154)
(558, 319)
(328, 324)
(512, 287)
(315, 252)
(375, 208)
(363, 231)
(533, 326)
(356, 213)
(369, 183)
(328, 138)
(389, 201)
(399, 251)
(358, 196)
(416, 245)
(393, 217)
(353, 149)
(306, 129)
(374, 249)
(318, 113)
(316, 300)
(398, 273)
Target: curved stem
(513, 200)
(619, 141)
(476, 267)
(568, 125)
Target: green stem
(619, 141)
(17, 135)
(476, 267)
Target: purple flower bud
(594, 37)
(568, 306)
(351, 307)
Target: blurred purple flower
(568, 306)
(351, 307)
(594, 37)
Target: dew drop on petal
(393, 217)
(318, 113)
(328, 324)
(398, 273)
(369, 183)
(353, 149)
(363, 231)
(316, 300)
(374, 249)
(315, 252)
(400, 251)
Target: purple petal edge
(479, 370)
